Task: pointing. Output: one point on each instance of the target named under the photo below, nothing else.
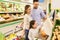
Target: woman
(27, 19)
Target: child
(34, 30)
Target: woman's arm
(24, 26)
(25, 22)
(43, 15)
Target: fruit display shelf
(56, 31)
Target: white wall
(44, 4)
(55, 4)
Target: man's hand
(44, 18)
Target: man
(37, 13)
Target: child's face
(35, 25)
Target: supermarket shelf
(11, 12)
(12, 31)
(17, 2)
(9, 23)
(21, 11)
(9, 28)
(10, 20)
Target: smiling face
(35, 25)
(36, 4)
(28, 10)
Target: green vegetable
(57, 22)
(1, 36)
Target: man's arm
(43, 15)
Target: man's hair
(35, 1)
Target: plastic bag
(47, 27)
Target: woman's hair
(26, 7)
(32, 23)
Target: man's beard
(35, 7)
